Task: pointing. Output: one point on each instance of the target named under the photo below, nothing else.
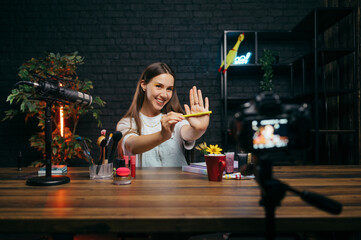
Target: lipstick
(132, 165)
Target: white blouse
(168, 154)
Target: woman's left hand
(199, 123)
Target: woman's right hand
(168, 122)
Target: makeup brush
(110, 137)
(86, 150)
(103, 132)
(105, 159)
(116, 138)
(101, 142)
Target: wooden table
(169, 200)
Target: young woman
(154, 128)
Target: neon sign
(242, 59)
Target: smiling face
(158, 93)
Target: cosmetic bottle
(132, 165)
(126, 158)
(120, 163)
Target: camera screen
(269, 133)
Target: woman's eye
(158, 86)
(170, 89)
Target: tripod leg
(270, 222)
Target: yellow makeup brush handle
(197, 114)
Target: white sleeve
(125, 151)
(124, 126)
(187, 144)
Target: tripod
(273, 191)
(48, 179)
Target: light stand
(273, 191)
(48, 179)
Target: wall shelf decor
(316, 65)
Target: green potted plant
(55, 67)
(267, 60)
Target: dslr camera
(265, 124)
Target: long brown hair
(153, 70)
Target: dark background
(119, 39)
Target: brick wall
(118, 39)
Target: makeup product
(105, 159)
(236, 176)
(197, 114)
(119, 163)
(122, 176)
(105, 155)
(126, 159)
(110, 137)
(104, 171)
(229, 162)
(86, 150)
(101, 142)
(103, 132)
(245, 165)
(116, 138)
(132, 165)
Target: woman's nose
(164, 93)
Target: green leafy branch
(267, 60)
(54, 67)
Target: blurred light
(61, 120)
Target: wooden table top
(169, 200)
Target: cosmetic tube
(126, 158)
(132, 164)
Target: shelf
(270, 35)
(252, 65)
(323, 131)
(326, 18)
(299, 79)
(282, 36)
(329, 55)
(321, 94)
(239, 100)
(256, 69)
(298, 99)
